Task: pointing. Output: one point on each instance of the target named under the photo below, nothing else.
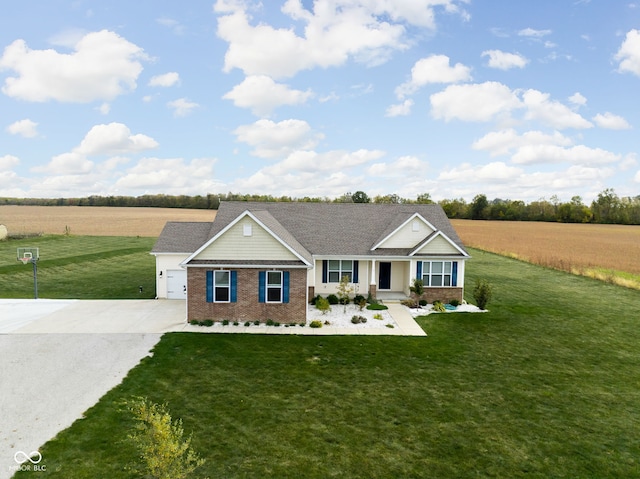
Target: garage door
(176, 284)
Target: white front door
(176, 284)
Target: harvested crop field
(95, 220)
(577, 248)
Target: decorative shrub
(357, 298)
(358, 319)
(225, 322)
(256, 322)
(422, 302)
(276, 324)
(323, 305)
(247, 323)
(315, 299)
(194, 322)
(389, 325)
(438, 306)
(454, 302)
(315, 324)
(409, 303)
(270, 322)
(377, 307)
(377, 316)
(333, 299)
(235, 323)
(482, 293)
(207, 322)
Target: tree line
(608, 207)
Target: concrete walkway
(43, 316)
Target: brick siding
(247, 307)
(442, 294)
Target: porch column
(372, 281)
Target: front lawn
(547, 384)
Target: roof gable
(438, 244)
(249, 238)
(407, 234)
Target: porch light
(161, 274)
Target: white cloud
(262, 95)
(503, 142)
(578, 99)
(105, 108)
(496, 172)
(165, 80)
(278, 140)
(174, 25)
(433, 69)
(610, 121)
(504, 60)
(26, 128)
(102, 67)
(401, 109)
(552, 113)
(398, 168)
(111, 139)
(531, 32)
(580, 154)
(366, 31)
(8, 161)
(629, 53)
(474, 102)
(637, 177)
(114, 138)
(170, 176)
(182, 107)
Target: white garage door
(176, 284)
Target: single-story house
(259, 261)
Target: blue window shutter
(355, 271)
(262, 279)
(325, 270)
(234, 286)
(285, 287)
(419, 273)
(209, 286)
(454, 274)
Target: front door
(384, 276)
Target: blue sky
(512, 99)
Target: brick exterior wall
(247, 307)
(442, 294)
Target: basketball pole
(35, 278)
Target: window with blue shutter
(419, 273)
(209, 286)
(261, 286)
(454, 274)
(325, 270)
(356, 265)
(234, 286)
(285, 287)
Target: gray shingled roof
(350, 229)
(182, 237)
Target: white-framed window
(221, 286)
(338, 269)
(274, 287)
(436, 273)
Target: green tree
(164, 452)
(424, 199)
(360, 197)
(479, 207)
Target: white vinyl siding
(408, 235)
(235, 245)
(438, 245)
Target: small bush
(358, 298)
(276, 324)
(409, 303)
(247, 323)
(423, 302)
(302, 325)
(377, 307)
(315, 299)
(358, 319)
(207, 322)
(194, 322)
(333, 299)
(389, 326)
(323, 305)
(256, 322)
(225, 322)
(454, 302)
(235, 323)
(270, 322)
(482, 293)
(315, 324)
(377, 316)
(439, 307)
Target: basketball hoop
(24, 260)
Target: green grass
(82, 267)
(545, 385)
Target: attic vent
(246, 230)
(415, 226)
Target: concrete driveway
(59, 357)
